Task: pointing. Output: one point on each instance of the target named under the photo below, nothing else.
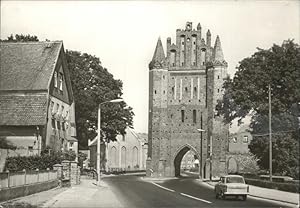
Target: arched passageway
(180, 154)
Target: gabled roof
(20, 109)
(27, 65)
(26, 71)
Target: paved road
(132, 191)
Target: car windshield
(234, 180)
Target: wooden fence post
(48, 173)
(8, 179)
(24, 176)
(37, 170)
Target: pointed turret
(199, 26)
(158, 59)
(208, 38)
(218, 52)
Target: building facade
(128, 152)
(239, 141)
(37, 107)
(184, 87)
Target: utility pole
(98, 147)
(270, 134)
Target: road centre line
(162, 187)
(196, 198)
(183, 194)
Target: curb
(156, 179)
(278, 200)
(274, 199)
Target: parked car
(232, 185)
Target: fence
(21, 178)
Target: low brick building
(37, 107)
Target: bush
(290, 187)
(41, 162)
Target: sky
(123, 34)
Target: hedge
(41, 162)
(290, 187)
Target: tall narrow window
(61, 79)
(63, 126)
(182, 115)
(194, 55)
(123, 157)
(182, 50)
(202, 56)
(135, 159)
(114, 157)
(57, 108)
(173, 58)
(55, 79)
(58, 125)
(194, 116)
(53, 123)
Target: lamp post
(99, 135)
(200, 159)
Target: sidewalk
(271, 194)
(87, 194)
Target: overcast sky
(124, 34)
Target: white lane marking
(162, 187)
(196, 198)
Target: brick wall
(178, 95)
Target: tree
(248, 90)
(93, 84)
(247, 93)
(285, 143)
(21, 38)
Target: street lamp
(200, 159)
(99, 135)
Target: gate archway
(180, 154)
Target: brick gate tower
(184, 86)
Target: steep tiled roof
(27, 66)
(23, 109)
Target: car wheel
(223, 195)
(244, 197)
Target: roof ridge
(31, 42)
